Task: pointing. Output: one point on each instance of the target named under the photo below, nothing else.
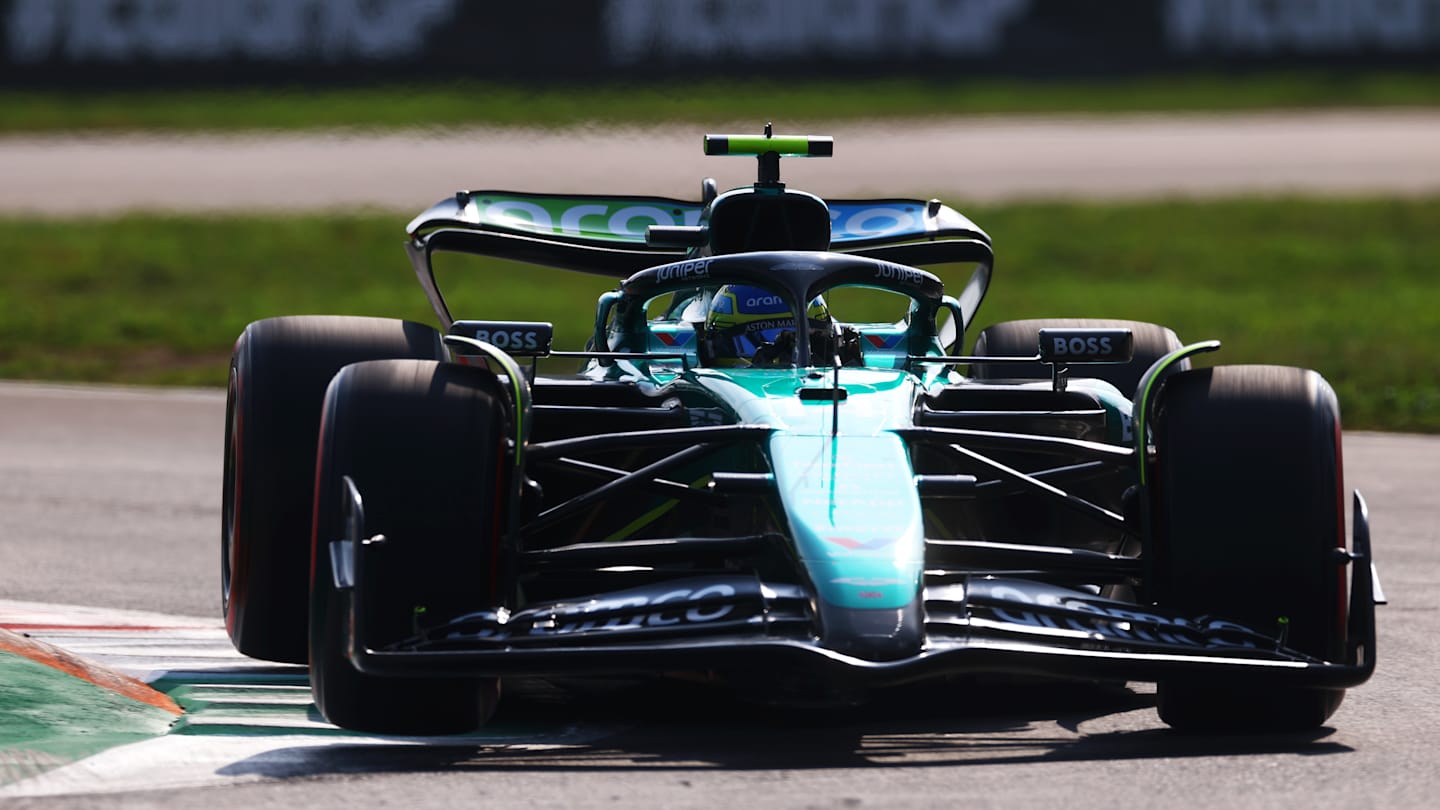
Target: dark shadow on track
(681, 726)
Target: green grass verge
(1345, 287)
(472, 103)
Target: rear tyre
(1248, 509)
(422, 441)
(1020, 339)
(278, 375)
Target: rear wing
(606, 235)
(620, 222)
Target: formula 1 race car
(731, 480)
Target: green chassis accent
(1141, 409)
(627, 531)
(520, 391)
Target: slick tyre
(423, 444)
(1248, 511)
(1020, 339)
(278, 375)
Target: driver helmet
(754, 326)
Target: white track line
(210, 746)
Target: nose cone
(855, 518)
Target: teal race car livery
(731, 479)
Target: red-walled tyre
(423, 444)
(278, 376)
(1248, 511)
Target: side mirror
(1066, 346)
(518, 338)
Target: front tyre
(1248, 511)
(422, 442)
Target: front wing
(974, 622)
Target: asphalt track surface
(976, 159)
(109, 497)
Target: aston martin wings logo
(851, 544)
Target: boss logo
(1086, 345)
(1075, 345)
(509, 340)
(515, 337)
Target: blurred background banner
(117, 43)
